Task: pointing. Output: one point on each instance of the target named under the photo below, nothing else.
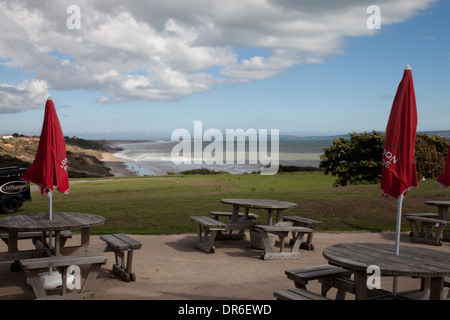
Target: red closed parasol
(399, 173)
(50, 164)
(444, 179)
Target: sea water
(154, 157)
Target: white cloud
(28, 94)
(164, 49)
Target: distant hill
(84, 156)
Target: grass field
(162, 205)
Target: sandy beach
(118, 168)
(168, 267)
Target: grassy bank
(163, 204)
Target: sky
(142, 69)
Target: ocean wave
(156, 157)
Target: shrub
(359, 160)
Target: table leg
(235, 214)
(279, 216)
(12, 241)
(442, 210)
(246, 210)
(245, 218)
(57, 243)
(270, 217)
(12, 248)
(360, 285)
(85, 235)
(436, 288)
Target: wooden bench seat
(32, 266)
(428, 220)
(282, 231)
(302, 276)
(298, 294)
(207, 228)
(330, 276)
(426, 214)
(303, 222)
(119, 244)
(65, 234)
(307, 223)
(431, 228)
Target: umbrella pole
(399, 223)
(50, 210)
(397, 236)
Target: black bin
(13, 191)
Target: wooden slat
(208, 221)
(281, 228)
(315, 272)
(134, 244)
(298, 294)
(304, 222)
(39, 263)
(121, 241)
(115, 242)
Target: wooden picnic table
(429, 228)
(430, 265)
(48, 255)
(273, 226)
(41, 222)
(264, 204)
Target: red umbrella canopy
(444, 179)
(399, 172)
(50, 164)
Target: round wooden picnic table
(41, 222)
(264, 204)
(432, 265)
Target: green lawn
(163, 205)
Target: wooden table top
(412, 261)
(41, 222)
(260, 203)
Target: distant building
(6, 136)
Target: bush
(430, 151)
(354, 161)
(359, 160)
